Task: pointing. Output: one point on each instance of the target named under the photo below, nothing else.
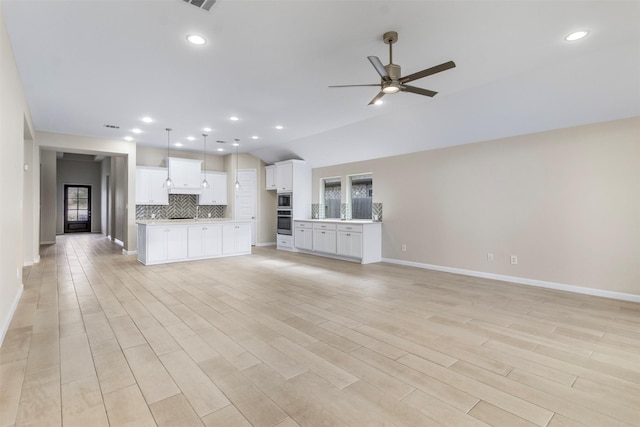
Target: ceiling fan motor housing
(393, 70)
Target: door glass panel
(72, 215)
(83, 214)
(72, 192)
(83, 193)
(72, 204)
(83, 204)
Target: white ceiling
(87, 63)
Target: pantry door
(246, 199)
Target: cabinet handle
(349, 235)
(323, 232)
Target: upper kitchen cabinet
(270, 177)
(293, 176)
(186, 175)
(216, 192)
(150, 188)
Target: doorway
(77, 208)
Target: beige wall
(15, 128)
(566, 202)
(152, 156)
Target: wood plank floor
(281, 339)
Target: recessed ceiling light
(196, 39)
(220, 149)
(234, 118)
(178, 144)
(136, 130)
(190, 138)
(147, 119)
(128, 138)
(207, 129)
(279, 127)
(379, 102)
(576, 35)
(255, 137)
(235, 144)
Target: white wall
(15, 123)
(566, 202)
(31, 202)
(81, 173)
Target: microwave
(285, 200)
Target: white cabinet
(186, 175)
(324, 238)
(166, 244)
(216, 192)
(204, 241)
(150, 189)
(270, 177)
(355, 241)
(236, 238)
(349, 244)
(303, 235)
(284, 177)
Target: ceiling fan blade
(373, 84)
(375, 61)
(418, 90)
(427, 72)
(378, 97)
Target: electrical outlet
(403, 248)
(209, 215)
(153, 216)
(514, 259)
(490, 256)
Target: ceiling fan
(392, 82)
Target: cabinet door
(243, 238)
(349, 244)
(195, 239)
(176, 243)
(142, 187)
(303, 238)
(324, 241)
(185, 173)
(212, 240)
(228, 239)
(218, 183)
(284, 177)
(158, 194)
(270, 178)
(156, 244)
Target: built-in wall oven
(285, 221)
(285, 201)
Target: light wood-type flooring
(281, 339)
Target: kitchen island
(349, 240)
(164, 241)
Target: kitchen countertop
(187, 221)
(342, 221)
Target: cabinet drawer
(324, 226)
(285, 241)
(300, 224)
(350, 227)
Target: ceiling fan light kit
(391, 75)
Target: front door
(77, 208)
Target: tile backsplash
(180, 206)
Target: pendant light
(204, 183)
(237, 143)
(168, 183)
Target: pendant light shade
(168, 183)
(237, 143)
(204, 183)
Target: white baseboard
(27, 263)
(521, 280)
(266, 244)
(126, 252)
(48, 243)
(118, 242)
(36, 259)
(12, 311)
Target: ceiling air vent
(201, 4)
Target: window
(331, 197)
(361, 195)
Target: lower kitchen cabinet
(172, 241)
(236, 239)
(166, 244)
(356, 241)
(349, 244)
(204, 241)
